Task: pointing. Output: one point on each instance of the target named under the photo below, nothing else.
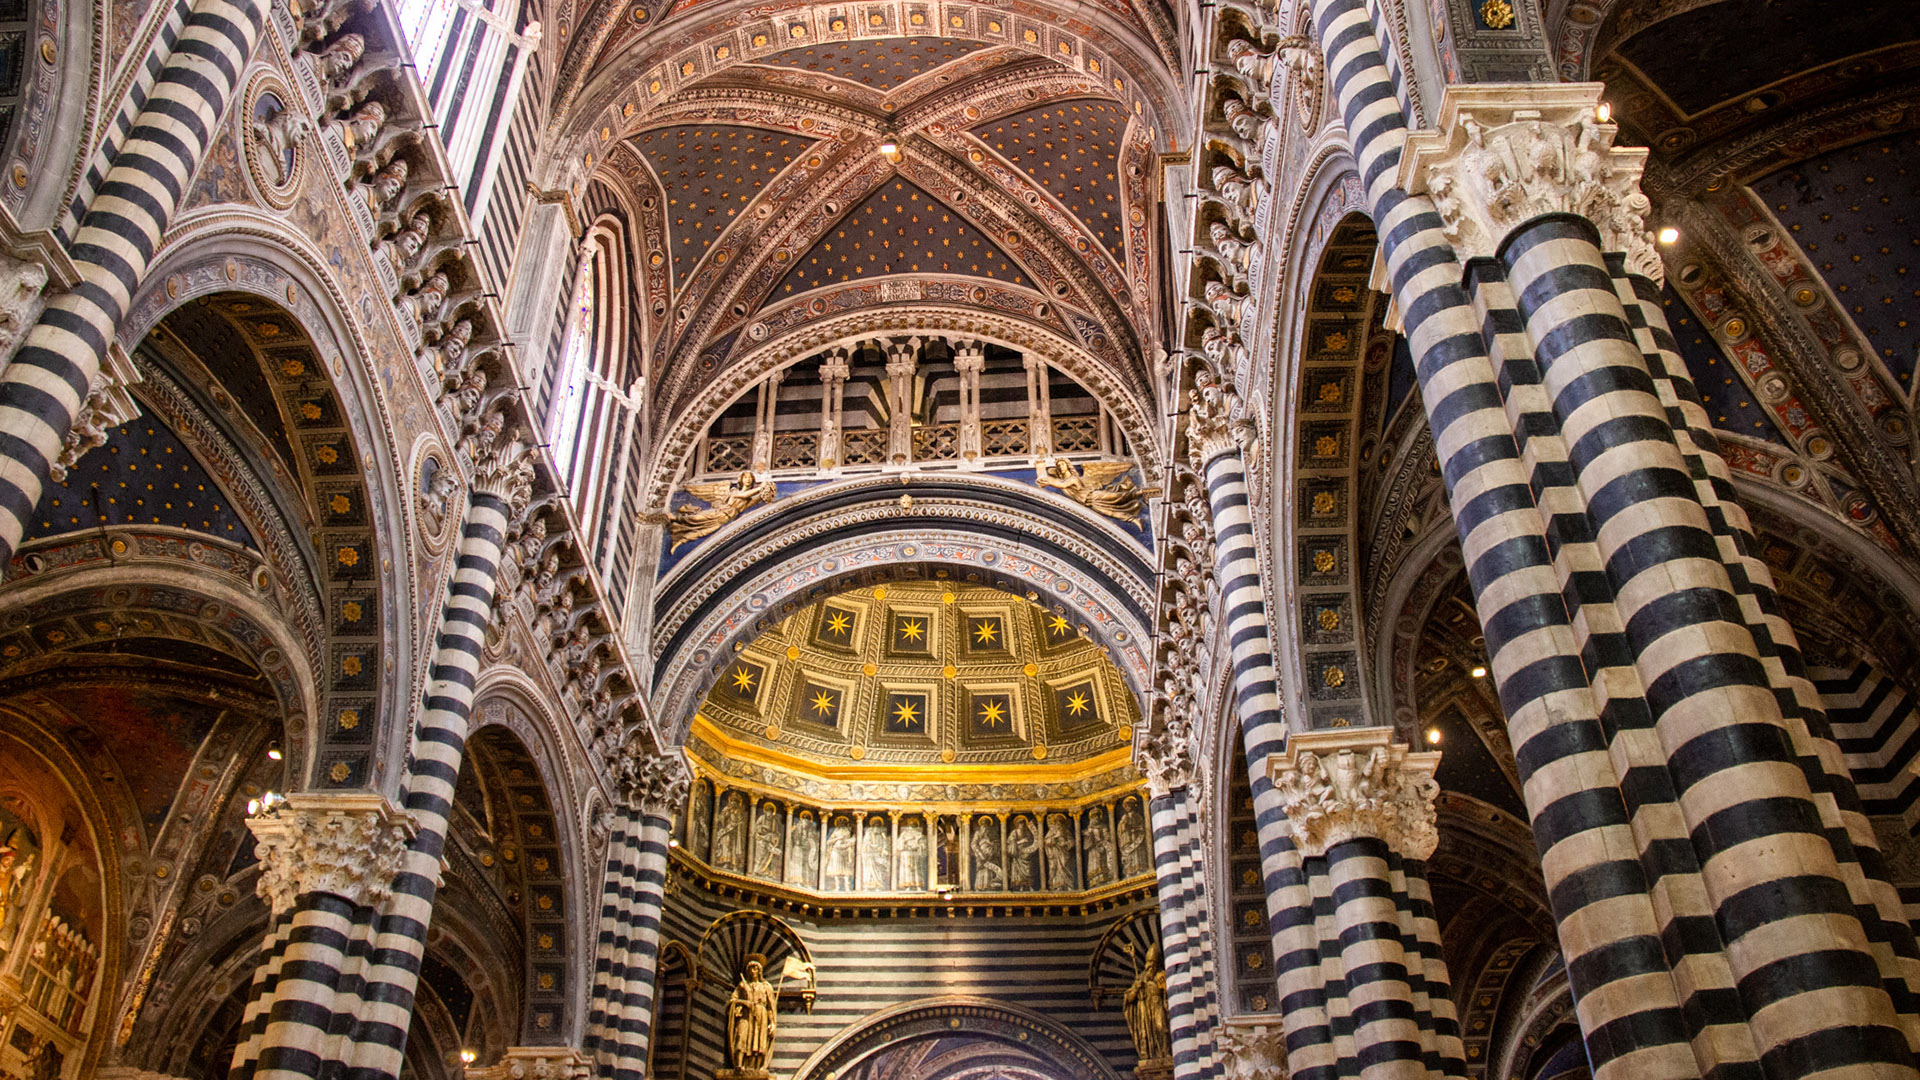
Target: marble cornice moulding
(1506, 153)
(1343, 784)
(344, 844)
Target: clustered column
(1186, 931)
(1718, 893)
(627, 952)
(1360, 810)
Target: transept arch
(861, 532)
(314, 374)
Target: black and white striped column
(1186, 940)
(627, 953)
(1609, 932)
(327, 858)
(378, 1039)
(1360, 810)
(51, 374)
(1256, 696)
(1803, 964)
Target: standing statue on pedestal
(751, 1020)
(1146, 1009)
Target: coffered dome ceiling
(924, 681)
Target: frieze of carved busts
(345, 844)
(1348, 783)
(1504, 154)
(1212, 425)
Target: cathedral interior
(959, 540)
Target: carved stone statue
(1022, 845)
(1099, 840)
(729, 833)
(803, 852)
(436, 501)
(840, 851)
(766, 843)
(278, 138)
(725, 501)
(1102, 486)
(913, 855)
(1059, 845)
(879, 855)
(752, 1018)
(384, 186)
(401, 247)
(987, 875)
(1146, 1009)
(1135, 856)
(364, 125)
(336, 61)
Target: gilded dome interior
(918, 679)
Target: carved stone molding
(346, 844)
(1212, 424)
(1506, 153)
(1252, 1051)
(1346, 783)
(534, 1063)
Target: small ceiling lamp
(1667, 234)
(1603, 113)
(273, 752)
(890, 147)
(467, 1056)
(1479, 672)
(1433, 736)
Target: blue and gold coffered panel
(922, 678)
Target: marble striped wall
(867, 964)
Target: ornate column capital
(835, 366)
(654, 783)
(1504, 153)
(1345, 783)
(970, 357)
(1252, 1051)
(1213, 428)
(1165, 758)
(903, 357)
(534, 1063)
(345, 844)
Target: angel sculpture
(1100, 485)
(725, 501)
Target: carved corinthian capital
(655, 783)
(1347, 783)
(1252, 1051)
(1505, 153)
(1165, 758)
(345, 844)
(534, 1063)
(1212, 426)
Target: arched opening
(57, 912)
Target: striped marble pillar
(1186, 940)
(1610, 932)
(1360, 810)
(502, 483)
(327, 859)
(63, 354)
(620, 1018)
(1301, 991)
(1528, 175)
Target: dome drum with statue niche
(918, 740)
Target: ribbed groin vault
(959, 540)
